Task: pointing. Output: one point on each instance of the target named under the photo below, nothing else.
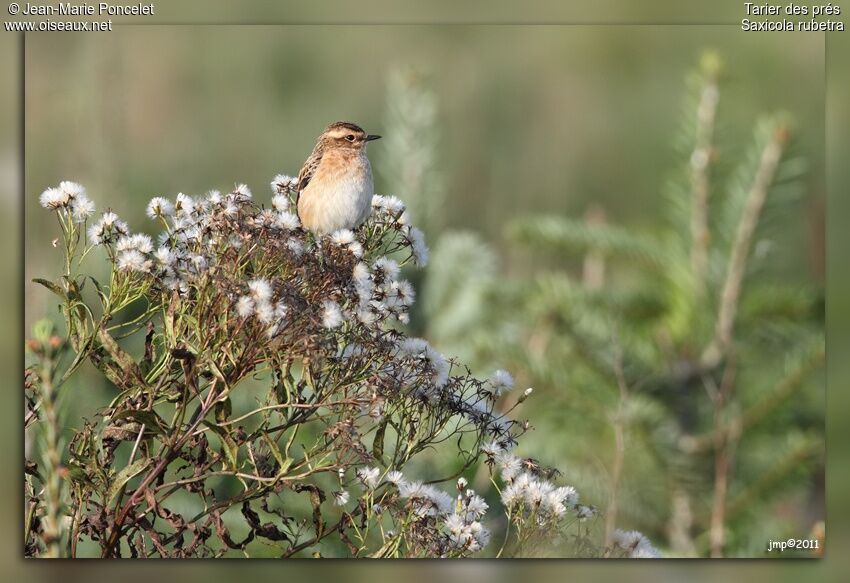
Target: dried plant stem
(768, 163)
(167, 457)
(136, 444)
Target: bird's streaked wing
(308, 170)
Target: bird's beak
(371, 137)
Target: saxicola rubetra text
(335, 184)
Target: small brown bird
(335, 184)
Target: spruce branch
(786, 464)
(562, 234)
(742, 244)
(700, 169)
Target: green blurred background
(531, 119)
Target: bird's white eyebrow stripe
(340, 132)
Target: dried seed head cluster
(633, 545)
(71, 197)
(233, 289)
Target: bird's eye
(350, 137)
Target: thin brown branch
(137, 496)
(730, 295)
(724, 447)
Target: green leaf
(231, 451)
(151, 420)
(273, 448)
(285, 466)
(284, 463)
(168, 320)
(123, 477)
(223, 409)
(52, 286)
(74, 289)
(378, 444)
(104, 299)
(131, 372)
(229, 448)
(316, 499)
(77, 473)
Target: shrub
(234, 296)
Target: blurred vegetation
(685, 378)
(564, 134)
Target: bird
(334, 187)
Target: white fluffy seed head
(280, 202)
(343, 237)
(139, 242)
(331, 314)
(241, 192)
(245, 306)
(500, 382)
(184, 204)
(370, 477)
(53, 199)
(264, 311)
(282, 183)
(261, 289)
(133, 260)
(360, 272)
(395, 477)
(287, 221)
(159, 207)
(386, 267)
(82, 208)
(418, 247)
(165, 256)
(296, 247)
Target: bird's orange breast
(338, 195)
